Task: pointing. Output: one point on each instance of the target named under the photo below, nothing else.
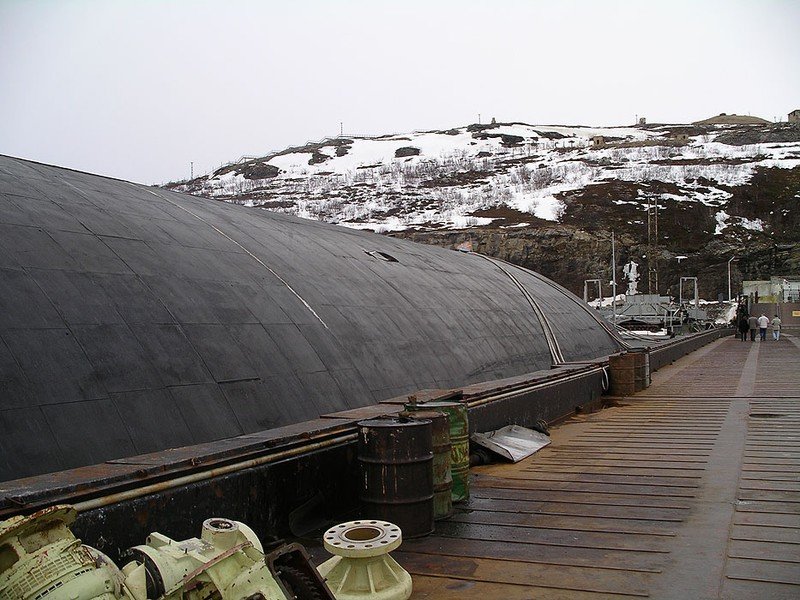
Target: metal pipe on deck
(211, 473)
(532, 387)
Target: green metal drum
(459, 443)
(442, 478)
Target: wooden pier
(689, 489)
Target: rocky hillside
(548, 197)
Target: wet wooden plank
(773, 486)
(553, 537)
(735, 589)
(579, 498)
(771, 476)
(767, 534)
(623, 460)
(764, 570)
(571, 452)
(573, 523)
(769, 550)
(554, 508)
(442, 587)
(660, 446)
(791, 520)
(538, 553)
(776, 463)
(567, 578)
(633, 488)
(751, 495)
(620, 470)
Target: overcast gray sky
(138, 89)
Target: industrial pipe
(530, 388)
(211, 473)
(262, 460)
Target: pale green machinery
(41, 559)
(361, 568)
(227, 562)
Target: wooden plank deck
(687, 490)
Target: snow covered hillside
(503, 175)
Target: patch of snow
(589, 132)
(722, 221)
(729, 315)
(784, 163)
(368, 181)
(606, 301)
(548, 208)
(753, 224)
(464, 221)
(647, 333)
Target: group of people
(752, 324)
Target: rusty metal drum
(642, 365)
(459, 443)
(630, 372)
(442, 478)
(396, 458)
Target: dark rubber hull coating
(133, 319)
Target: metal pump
(227, 560)
(41, 559)
(226, 563)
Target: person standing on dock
(743, 326)
(763, 323)
(753, 324)
(776, 328)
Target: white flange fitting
(361, 566)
